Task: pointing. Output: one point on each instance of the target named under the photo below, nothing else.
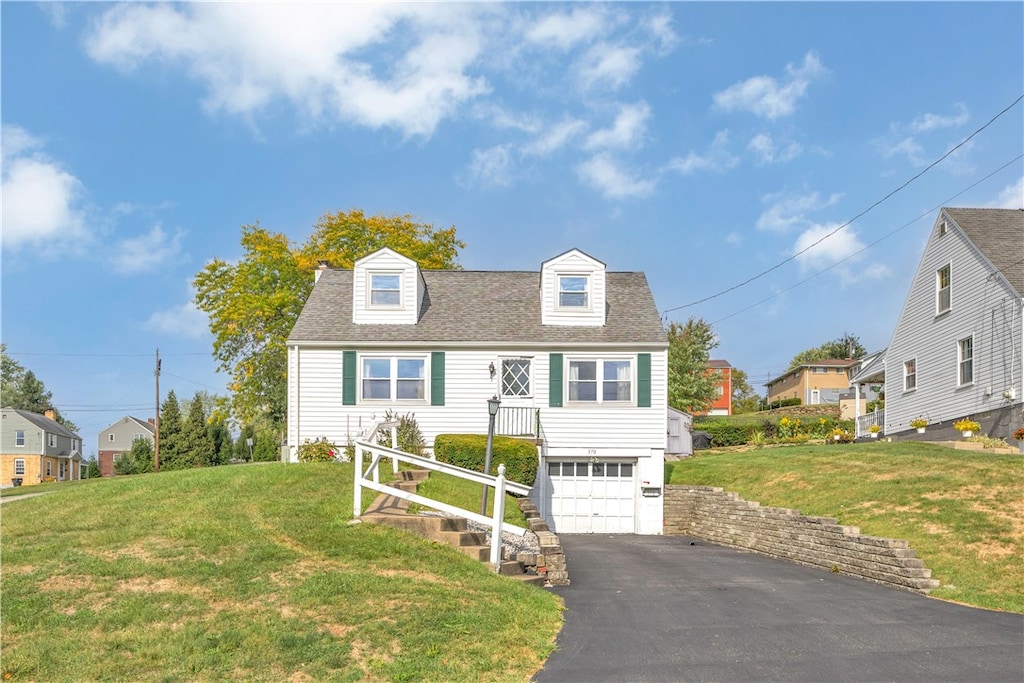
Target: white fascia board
(560, 347)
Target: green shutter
(437, 378)
(348, 378)
(643, 380)
(555, 380)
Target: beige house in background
(813, 383)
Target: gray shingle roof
(465, 306)
(999, 234)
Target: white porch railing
(865, 421)
(370, 478)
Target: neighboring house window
(49, 468)
(385, 290)
(943, 281)
(910, 375)
(136, 437)
(600, 381)
(394, 379)
(515, 377)
(573, 291)
(819, 371)
(19, 467)
(965, 353)
(53, 440)
(720, 391)
(19, 438)
(111, 438)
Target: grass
(959, 510)
(250, 572)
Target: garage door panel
(592, 497)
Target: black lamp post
(493, 404)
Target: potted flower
(966, 427)
(1019, 436)
(875, 429)
(919, 423)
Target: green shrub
(470, 451)
(320, 450)
(724, 433)
(410, 438)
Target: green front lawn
(250, 573)
(961, 511)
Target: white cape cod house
(957, 347)
(576, 354)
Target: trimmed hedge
(470, 451)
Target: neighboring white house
(956, 349)
(573, 348)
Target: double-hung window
(385, 290)
(965, 361)
(394, 378)
(600, 381)
(19, 467)
(53, 440)
(943, 285)
(19, 438)
(573, 291)
(515, 377)
(910, 375)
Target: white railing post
(357, 488)
(497, 518)
(394, 445)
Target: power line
(884, 237)
(849, 222)
(101, 355)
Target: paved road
(656, 608)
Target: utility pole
(156, 440)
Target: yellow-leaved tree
(253, 303)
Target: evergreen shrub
(470, 451)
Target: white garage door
(592, 497)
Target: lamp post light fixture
(493, 404)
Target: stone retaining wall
(715, 515)
(551, 560)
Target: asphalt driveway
(658, 608)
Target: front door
(592, 496)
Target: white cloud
(489, 168)
(41, 200)
(146, 252)
(831, 250)
(718, 158)
(179, 321)
(555, 137)
(1011, 197)
(608, 67)
(928, 122)
(604, 174)
(763, 146)
(660, 27)
(565, 30)
(786, 212)
(734, 238)
(312, 55)
(908, 147)
(767, 97)
(627, 131)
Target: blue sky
(701, 143)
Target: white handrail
(370, 479)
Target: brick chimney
(320, 268)
(50, 413)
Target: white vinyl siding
(375, 299)
(984, 308)
(562, 300)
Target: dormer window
(573, 291)
(385, 290)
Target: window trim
(948, 289)
(111, 438)
(19, 438)
(370, 289)
(906, 375)
(52, 440)
(529, 376)
(599, 380)
(19, 467)
(961, 362)
(393, 378)
(588, 290)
